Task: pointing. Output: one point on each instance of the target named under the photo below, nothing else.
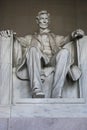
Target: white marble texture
(49, 110)
(6, 44)
(39, 108)
(3, 124)
(22, 90)
(5, 49)
(5, 77)
(5, 112)
(43, 124)
(83, 64)
(48, 124)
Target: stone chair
(19, 89)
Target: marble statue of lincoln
(46, 50)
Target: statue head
(43, 19)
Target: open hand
(6, 33)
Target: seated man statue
(45, 50)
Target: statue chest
(46, 44)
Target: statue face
(43, 21)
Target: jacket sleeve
(61, 40)
(25, 41)
(20, 46)
(17, 53)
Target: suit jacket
(56, 42)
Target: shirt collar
(45, 31)
(41, 32)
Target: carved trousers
(61, 63)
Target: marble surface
(3, 124)
(18, 89)
(83, 64)
(49, 110)
(53, 114)
(43, 124)
(5, 69)
(48, 124)
(5, 78)
(21, 89)
(5, 112)
(5, 49)
(44, 117)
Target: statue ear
(37, 20)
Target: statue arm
(61, 40)
(25, 41)
(20, 46)
(17, 56)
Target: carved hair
(43, 12)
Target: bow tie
(45, 34)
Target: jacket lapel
(52, 42)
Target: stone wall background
(66, 15)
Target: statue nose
(44, 21)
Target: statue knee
(31, 52)
(33, 49)
(63, 53)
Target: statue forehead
(43, 12)
(43, 16)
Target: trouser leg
(34, 69)
(61, 69)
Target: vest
(52, 42)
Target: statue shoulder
(59, 38)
